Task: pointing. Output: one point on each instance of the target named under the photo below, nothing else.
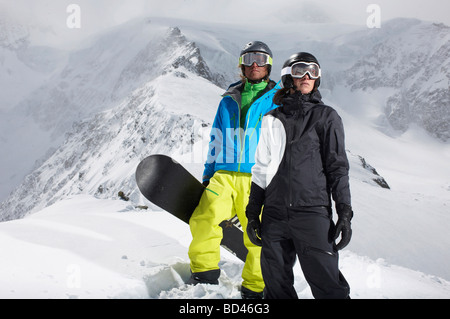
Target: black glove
(254, 232)
(252, 212)
(343, 225)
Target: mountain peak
(185, 54)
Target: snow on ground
(86, 248)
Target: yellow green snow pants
(229, 196)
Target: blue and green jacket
(232, 147)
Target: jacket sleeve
(269, 152)
(335, 159)
(255, 202)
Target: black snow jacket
(313, 166)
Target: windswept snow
(84, 247)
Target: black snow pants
(308, 235)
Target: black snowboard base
(167, 184)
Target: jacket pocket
(313, 250)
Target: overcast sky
(99, 14)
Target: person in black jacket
(301, 165)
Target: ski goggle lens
(299, 70)
(261, 59)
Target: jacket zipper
(296, 120)
(235, 127)
(242, 138)
(290, 142)
(290, 173)
(250, 137)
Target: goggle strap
(286, 71)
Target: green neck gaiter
(250, 94)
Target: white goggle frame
(288, 70)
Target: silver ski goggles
(261, 59)
(299, 70)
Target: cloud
(101, 14)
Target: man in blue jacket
(231, 155)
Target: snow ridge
(99, 155)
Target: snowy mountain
(13, 36)
(100, 155)
(414, 63)
(95, 77)
(23, 69)
(152, 86)
(106, 72)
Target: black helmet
(257, 46)
(286, 79)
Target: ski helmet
(257, 46)
(286, 79)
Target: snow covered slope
(146, 88)
(100, 155)
(84, 247)
(99, 158)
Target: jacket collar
(304, 102)
(235, 90)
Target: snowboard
(168, 185)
